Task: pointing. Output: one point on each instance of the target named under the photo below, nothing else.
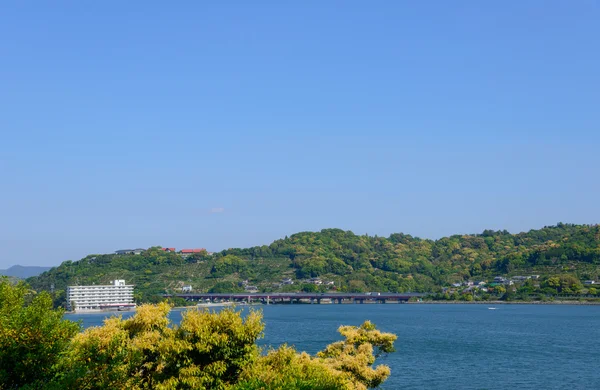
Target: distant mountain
(23, 272)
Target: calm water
(454, 346)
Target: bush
(214, 351)
(32, 336)
(208, 350)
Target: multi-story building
(115, 296)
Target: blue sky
(230, 124)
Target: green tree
(207, 351)
(225, 287)
(357, 286)
(346, 364)
(565, 283)
(309, 288)
(228, 265)
(210, 350)
(32, 336)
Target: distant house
(168, 249)
(316, 281)
(287, 281)
(129, 251)
(188, 252)
(251, 289)
(589, 282)
(456, 284)
(499, 279)
(330, 283)
(520, 278)
(535, 276)
(187, 288)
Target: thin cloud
(217, 210)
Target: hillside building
(137, 251)
(115, 296)
(188, 252)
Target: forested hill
(397, 263)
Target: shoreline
(580, 303)
(489, 303)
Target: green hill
(398, 263)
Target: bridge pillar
(339, 301)
(267, 299)
(319, 301)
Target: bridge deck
(297, 296)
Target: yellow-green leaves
(32, 336)
(345, 364)
(208, 350)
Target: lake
(455, 346)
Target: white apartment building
(115, 296)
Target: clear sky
(224, 124)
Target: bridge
(290, 298)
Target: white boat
(491, 308)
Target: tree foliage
(357, 263)
(211, 350)
(346, 364)
(207, 350)
(32, 335)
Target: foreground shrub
(208, 350)
(32, 336)
(346, 364)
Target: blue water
(454, 346)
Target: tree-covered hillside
(398, 263)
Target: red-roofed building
(168, 249)
(187, 252)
